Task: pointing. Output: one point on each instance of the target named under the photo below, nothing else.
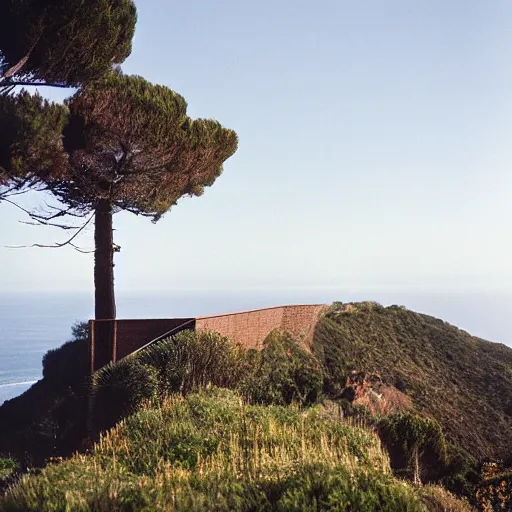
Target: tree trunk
(105, 302)
(416, 466)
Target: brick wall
(250, 328)
(130, 336)
(133, 334)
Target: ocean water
(32, 324)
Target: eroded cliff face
(369, 391)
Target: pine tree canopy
(125, 140)
(65, 41)
(31, 138)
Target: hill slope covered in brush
(407, 376)
(462, 381)
(211, 451)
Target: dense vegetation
(382, 368)
(97, 34)
(211, 451)
(464, 382)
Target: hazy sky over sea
(375, 150)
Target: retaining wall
(128, 336)
(250, 328)
(111, 340)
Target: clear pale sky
(375, 150)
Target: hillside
(401, 374)
(211, 451)
(462, 381)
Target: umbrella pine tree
(125, 145)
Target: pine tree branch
(10, 83)
(20, 186)
(58, 245)
(44, 221)
(17, 67)
(61, 212)
(18, 206)
(14, 70)
(52, 224)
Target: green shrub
(396, 309)
(118, 389)
(183, 363)
(332, 357)
(460, 475)
(319, 488)
(411, 440)
(192, 360)
(310, 488)
(282, 373)
(338, 309)
(7, 466)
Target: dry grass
(211, 451)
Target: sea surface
(33, 323)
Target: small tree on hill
(126, 145)
(411, 438)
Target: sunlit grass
(211, 451)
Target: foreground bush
(183, 363)
(281, 373)
(211, 451)
(119, 389)
(61, 413)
